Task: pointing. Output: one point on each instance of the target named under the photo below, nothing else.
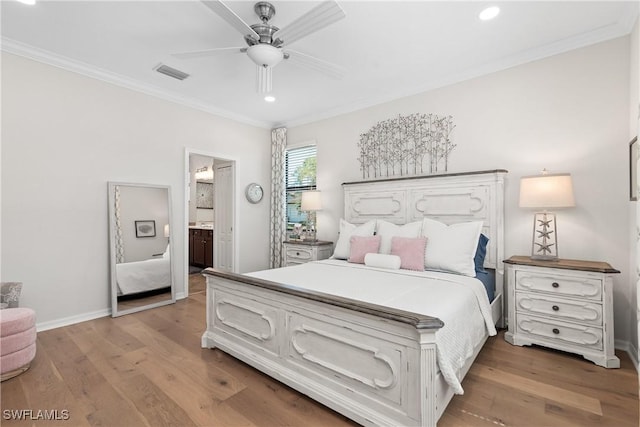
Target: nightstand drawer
(563, 309)
(558, 284)
(302, 252)
(299, 254)
(560, 332)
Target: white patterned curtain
(118, 223)
(278, 227)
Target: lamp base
(545, 243)
(310, 236)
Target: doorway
(209, 216)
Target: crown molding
(602, 34)
(628, 21)
(27, 51)
(618, 29)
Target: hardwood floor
(147, 369)
(197, 284)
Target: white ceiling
(389, 49)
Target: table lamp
(546, 191)
(311, 203)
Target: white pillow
(387, 230)
(451, 247)
(392, 262)
(166, 253)
(343, 246)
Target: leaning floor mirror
(141, 255)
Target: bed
(379, 346)
(143, 276)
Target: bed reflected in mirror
(141, 253)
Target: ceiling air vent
(171, 72)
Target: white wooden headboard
(449, 198)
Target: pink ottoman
(17, 341)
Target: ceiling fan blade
(223, 11)
(311, 62)
(326, 13)
(209, 52)
(264, 78)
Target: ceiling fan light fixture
(265, 41)
(265, 55)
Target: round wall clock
(254, 192)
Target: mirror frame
(112, 250)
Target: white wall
(64, 136)
(567, 113)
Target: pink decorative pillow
(410, 250)
(360, 246)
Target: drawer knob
(556, 331)
(555, 308)
(555, 284)
(297, 253)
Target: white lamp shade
(166, 230)
(311, 201)
(265, 55)
(546, 191)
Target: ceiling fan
(266, 43)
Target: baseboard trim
(631, 351)
(71, 320)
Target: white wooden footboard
(372, 364)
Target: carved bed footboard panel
(374, 365)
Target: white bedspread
(140, 276)
(460, 302)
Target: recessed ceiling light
(489, 13)
(29, 2)
(270, 98)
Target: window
(300, 175)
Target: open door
(219, 221)
(223, 240)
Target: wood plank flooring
(147, 369)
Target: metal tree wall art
(406, 145)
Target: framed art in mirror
(146, 228)
(141, 273)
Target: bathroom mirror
(141, 254)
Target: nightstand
(563, 304)
(301, 251)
